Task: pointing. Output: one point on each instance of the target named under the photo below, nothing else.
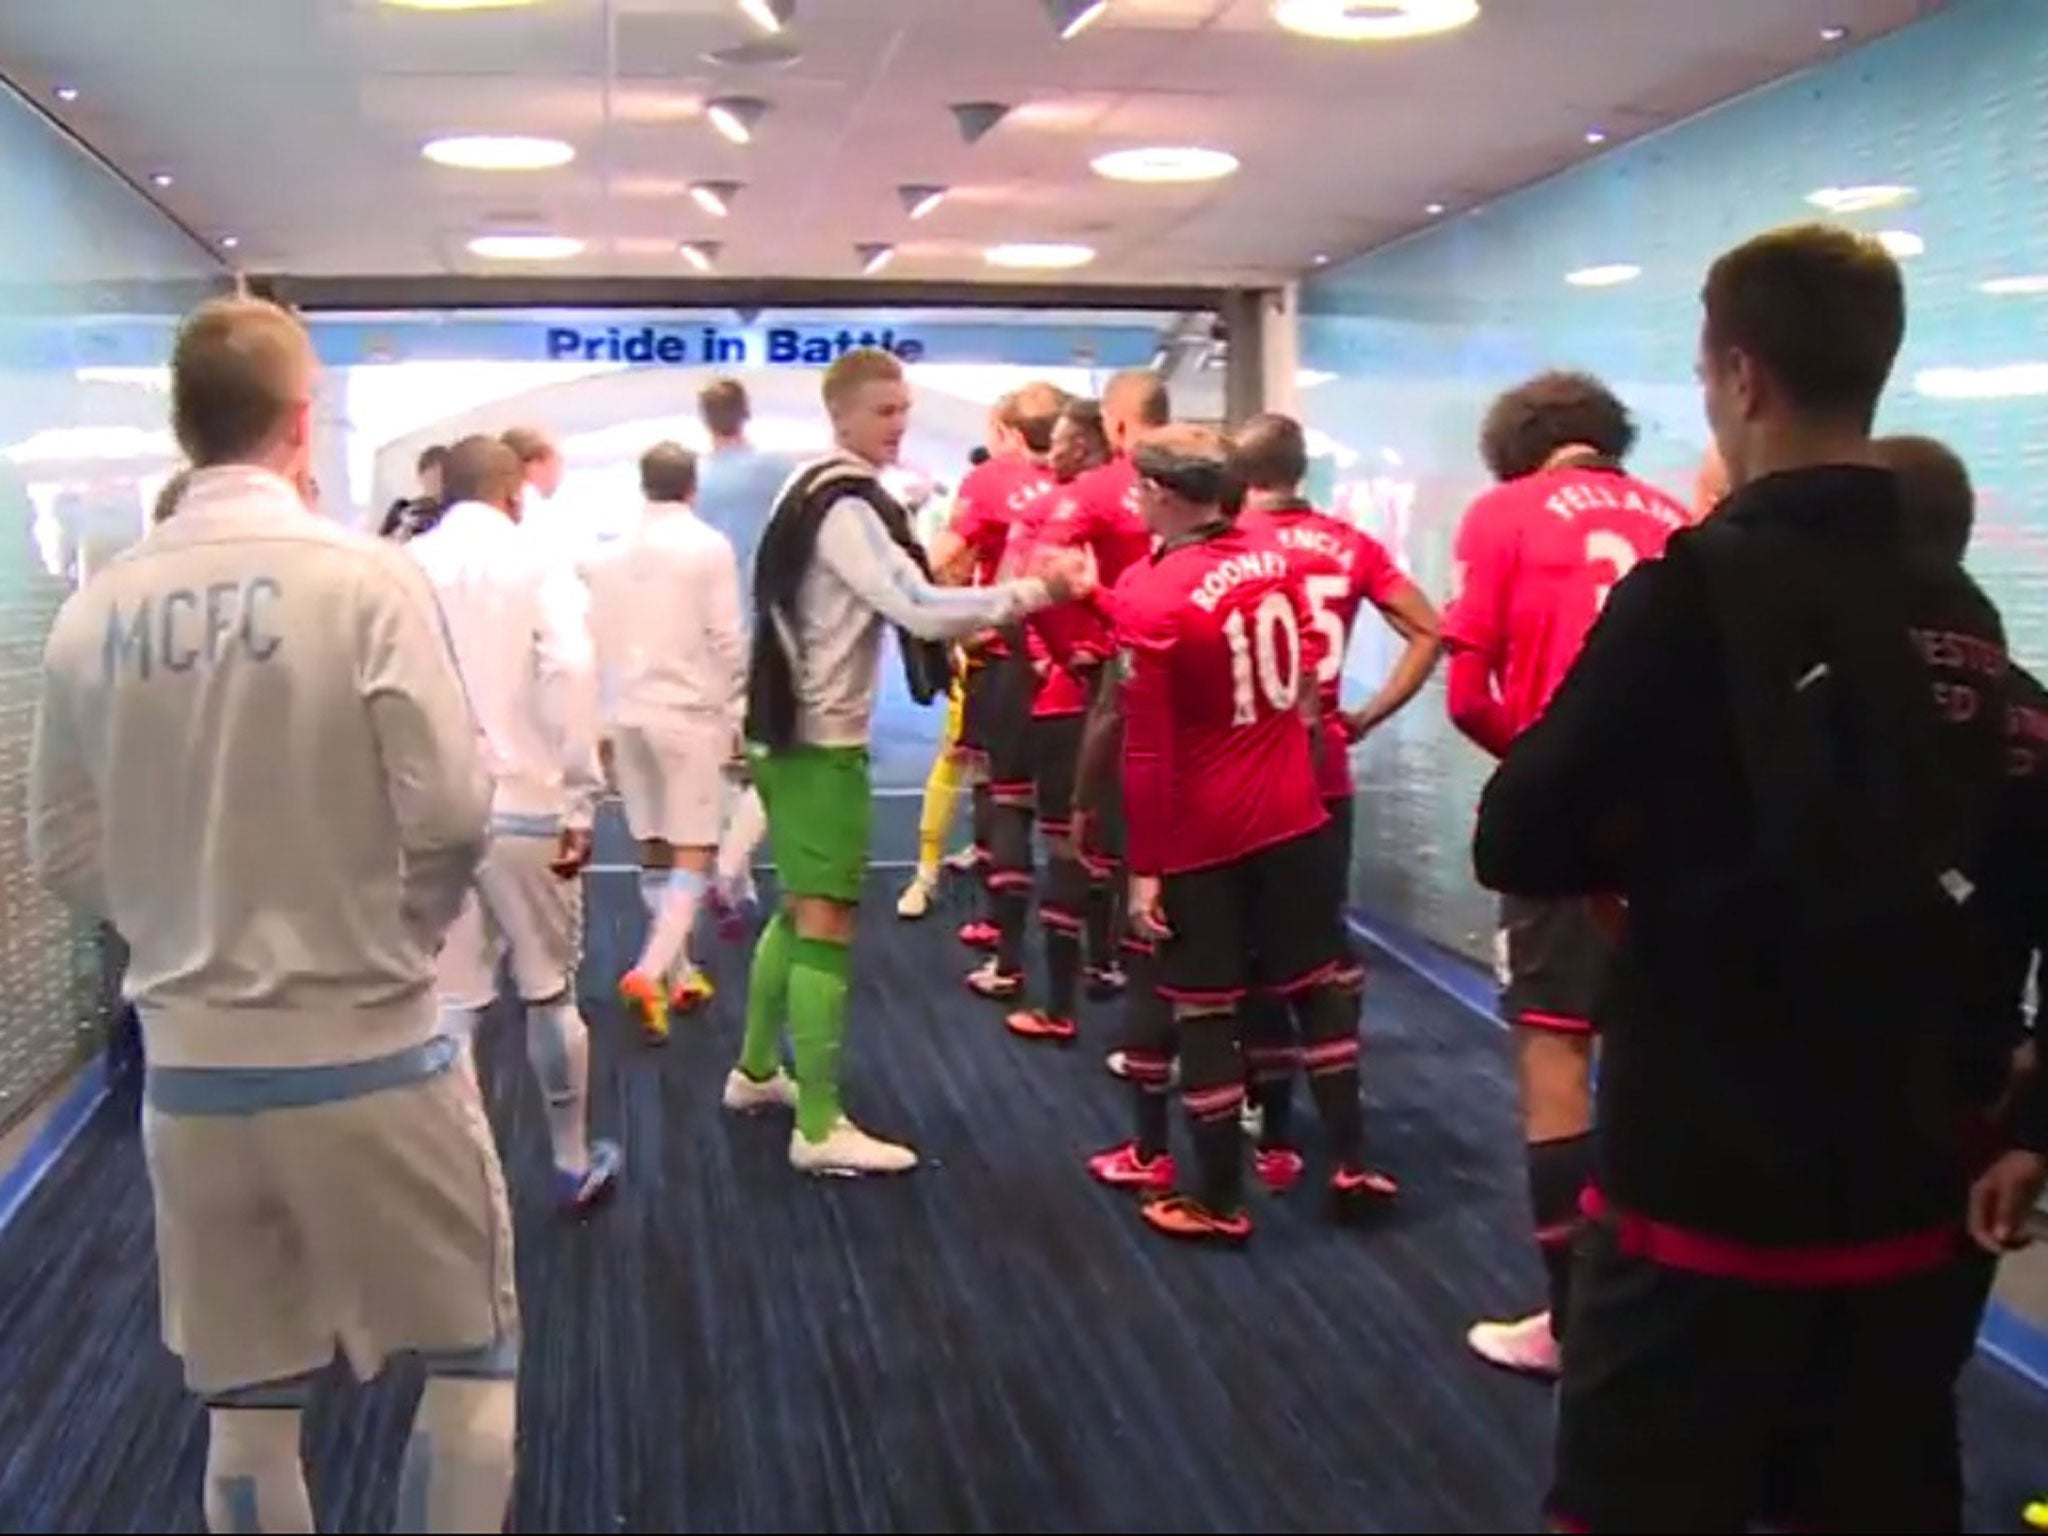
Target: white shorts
(673, 782)
(377, 1223)
(521, 905)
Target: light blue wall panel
(1416, 339)
(80, 449)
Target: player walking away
(1341, 569)
(517, 625)
(838, 566)
(665, 617)
(1226, 829)
(412, 515)
(1536, 558)
(257, 708)
(736, 491)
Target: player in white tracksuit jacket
(665, 617)
(258, 710)
(517, 623)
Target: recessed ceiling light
(1608, 275)
(1833, 34)
(459, 5)
(1164, 164)
(715, 197)
(699, 253)
(494, 152)
(920, 200)
(230, 242)
(161, 179)
(874, 257)
(1902, 243)
(1373, 21)
(1433, 209)
(755, 53)
(1595, 136)
(526, 247)
(1319, 260)
(67, 93)
(975, 119)
(735, 116)
(1072, 17)
(2007, 287)
(1859, 199)
(768, 15)
(1043, 257)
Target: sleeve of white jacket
(855, 546)
(66, 834)
(427, 741)
(569, 691)
(725, 625)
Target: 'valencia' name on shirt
(1316, 541)
(1221, 579)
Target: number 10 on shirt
(1265, 659)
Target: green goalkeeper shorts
(819, 810)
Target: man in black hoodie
(1783, 747)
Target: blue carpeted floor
(991, 1345)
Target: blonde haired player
(665, 616)
(838, 566)
(517, 622)
(258, 708)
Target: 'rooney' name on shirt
(1223, 577)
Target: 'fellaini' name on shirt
(1316, 541)
(187, 627)
(1569, 501)
(1221, 579)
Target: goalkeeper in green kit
(839, 563)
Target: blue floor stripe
(2016, 1342)
(49, 1143)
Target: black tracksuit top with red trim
(1795, 1030)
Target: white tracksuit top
(665, 618)
(253, 756)
(516, 619)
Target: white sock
(667, 951)
(457, 1474)
(653, 882)
(255, 1480)
(558, 1047)
(744, 830)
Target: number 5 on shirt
(1321, 592)
(1265, 659)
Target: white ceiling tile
(297, 124)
